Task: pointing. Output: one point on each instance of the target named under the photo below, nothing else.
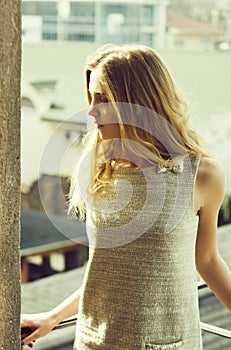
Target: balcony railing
(210, 328)
(211, 310)
(204, 326)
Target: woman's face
(101, 109)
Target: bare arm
(67, 308)
(209, 263)
(43, 323)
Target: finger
(31, 338)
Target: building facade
(140, 21)
(187, 34)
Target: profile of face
(101, 110)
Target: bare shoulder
(210, 172)
(210, 182)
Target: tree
(10, 71)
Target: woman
(150, 198)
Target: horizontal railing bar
(201, 285)
(26, 331)
(215, 330)
(72, 322)
(66, 323)
(204, 326)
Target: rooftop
(179, 24)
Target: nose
(93, 110)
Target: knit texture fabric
(140, 285)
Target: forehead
(95, 86)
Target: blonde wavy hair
(136, 75)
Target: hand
(40, 324)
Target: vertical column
(98, 20)
(10, 173)
(63, 16)
(160, 20)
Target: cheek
(108, 114)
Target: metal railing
(210, 328)
(204, 326)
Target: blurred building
(213, 12)
(141, 21)
(184, 33)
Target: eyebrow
(96, 93)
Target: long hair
(135, 75)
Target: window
(82, 9)
(147, 14)
(147, 39)
(81, 37)
(40, 8)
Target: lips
(98, 123)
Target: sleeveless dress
(140, 285)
